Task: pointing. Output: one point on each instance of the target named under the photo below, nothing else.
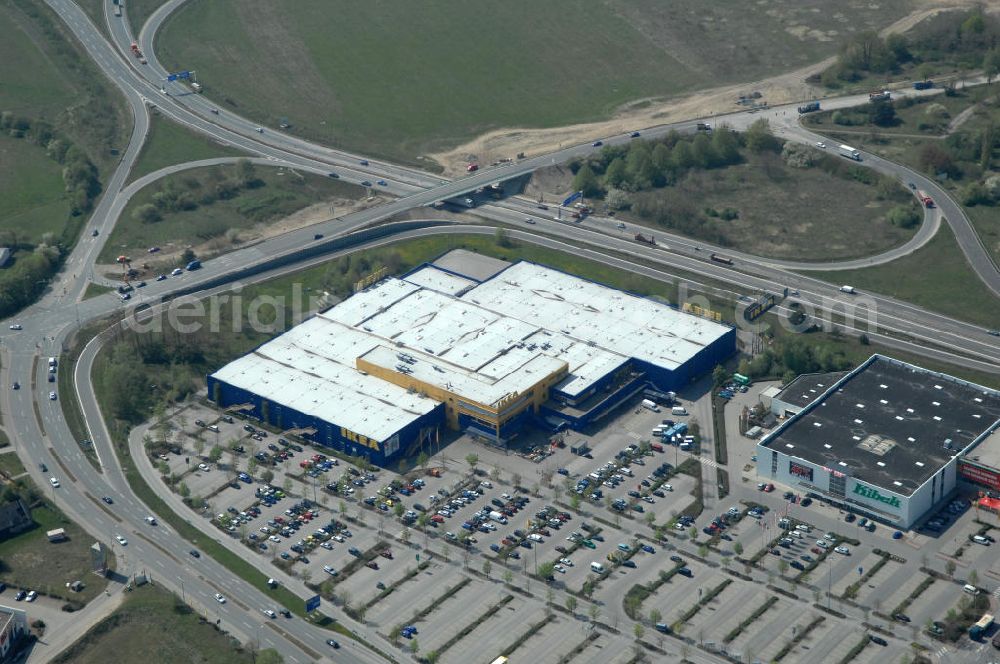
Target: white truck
(848, 289)
(849, 152)
(650, 405)
(498, 517)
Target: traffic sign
(312, 604)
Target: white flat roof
(439, 280)
(311, 369)
(625, 324)
(499, 337)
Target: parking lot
(540, 505)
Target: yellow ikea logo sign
(359, 439)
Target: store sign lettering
(873, 494)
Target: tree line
(189, 193)
(958, 39)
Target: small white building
(13, 625)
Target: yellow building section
(494, 415)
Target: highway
(39, 431)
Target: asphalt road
(42, 435)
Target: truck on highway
(721, 259)
(639, 237)
(926, 200)
(462, 201)
(811, 107)
(923, 85)
(137, 53)
(703, 126)
(118, 10)
(196, 86)
(849, 152)
(847, 289)
(879, 95)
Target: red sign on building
(981, 475)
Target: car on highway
(995, 333)
(318, 236)
(260, 130)
(363, 162)
(16, 326)
(195, 553)
(176, 272)
(366, 183)
(529, 220)
(597, 144)
(634, 134)
(219, 598)
(52, 396)
(152, 250)
(121, 540)
(161, 277)
(54, 482)
(269, 613)
(333, 175)
(821, 145)
(332, 643)
(382, 183)
(106, 499)
(15, 386)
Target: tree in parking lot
(546, 569)
(395, 633)
(472, 460)
(949, 567)
(487, 568)
(639, 630)
(266, 476)
(422, 460)
(515, 479)
(655, 616)
(574, 501)
(973, 577)
(199, 446)
(508, 576)
(589, 585)
(738, 549)
(782, 566)
(495, 474)
(163, 467)
(693, 532)
(719, 375)
(287, 484)
(184, 490)
(593, 611)
(650, 519)
(398, 509)
(571, 604)
(215, 454)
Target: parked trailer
(721, 259)
(926, 200)
(849, 152)
(809, 108)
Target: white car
(327, 546)
(275, 539)
(176, 271)
(54, 482)
(269, 613)
(339, 538)
(560, 569)
(121, 540)
(31, 596)
(260, 130)
(219, 598)
(329, 570)
(529, 220)
(821, 145)
(843, 550)
(202, 466)
(566, 561)
(52, 396)
(823, 544)
(16, 326)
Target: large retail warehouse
(886, 440)
(380, 373)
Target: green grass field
(791, 213)
(935, 277)
(139, 11)
(154, 625)
(10, 464)
(168, 143)
(31, 561)
(402, 79)
(32, 196)
(282, 193)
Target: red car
(769, 488)
(437, 518)
(472, 167)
